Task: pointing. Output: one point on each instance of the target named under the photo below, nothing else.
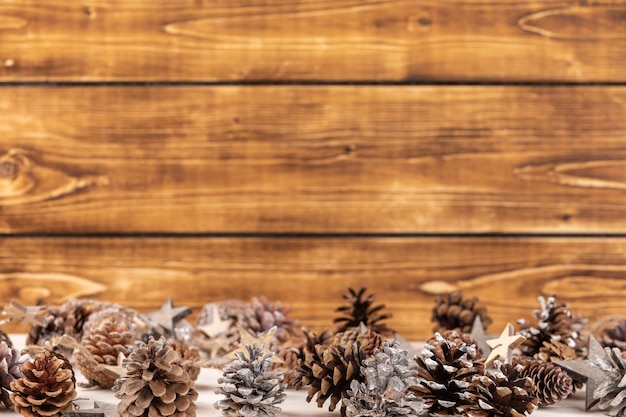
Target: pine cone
(329, 372)
(444, 373)
(189, 357)
(385, 392)
(553, 351)
(156, 384)
(104, 345)
(611, 332)
(250, 388)
(67, 318)
(611, 391)
(291, 352)
(455, 312)
(368, 338)
(500, 394)
(47, 387)
(9, 371)
(311, 340)
(125, 318)
(5, 338)
(552, 383)
(554, 322)
(262, 316)
(360, 308)
(459, 339)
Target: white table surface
(294, 404)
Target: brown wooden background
(211, 150)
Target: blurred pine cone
(5, 338)
(9, 371)
(155, 384)
(611, 332)
(552, 383)
(291, 352)
(553, 351)
(262, 316)
(456, 312)
(47, 387)
(189, 357)
(359, 309)
(368, 338)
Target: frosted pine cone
(552, 383)
(360, 308)
(9, 371)
(611, 392)
(457, 312)
(47, 387)
(250, 388)
(156, 384)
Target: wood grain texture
(340, 40)
(311, 274)
(315, 159)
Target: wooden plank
(310, 275)
(315, 159)
(339, 40)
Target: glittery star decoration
(588, 370)
(24, 315)
(503, 346)
(100, 410)
(478, 334)
(264, 339)
(215, 325)
(115, 371)
(167, 317)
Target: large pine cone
(155, 384)
(611, 391)
(47, 387)
(329, 371)
(444, 374)
(250, 388)
(456, 312)
(359, 309)
(554, 323)
(9, 371)
(104, 345)
(500, 394)
(262, 316)
(67, 318)
(552, 383)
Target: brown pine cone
(552, 383)
(262, 316)
(460, 339)
(456, 312)
(611, 332)
(189, 357)
(290, 351)
(9, 371)
(359, 309)
(47, 387)
(368, 338)
(103, 346)
(125, 318)
(5, 338)
(553, 351)
(156, 384)
(329, 372)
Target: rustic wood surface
(316, 159)
(328, 40)
(311, 274)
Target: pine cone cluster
(552, 383)
(610, 392)
(457, 312)
(385, 392)
(554, 323)
(47, 387)
(9, 371)
(445, 370)
(359, 308)
(156, 383)
(249, 387)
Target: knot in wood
(8, 170)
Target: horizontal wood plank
(310, 275)
(314, 159)
(333, 40)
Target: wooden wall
(208, 150)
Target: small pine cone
(9, 371)
(359, 309)
(104, 345)
(47, 387)
(155, 384)
(553, 351)
(5, 338)
(554, 322)
(552, 383)
(459, 339)
(610, 392)
(456, 312)
(504, 393)
(189, 357)
(368, 338)
(262, 316)
(249, 386)
(444, 373)
(329, 373)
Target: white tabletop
(294, 405)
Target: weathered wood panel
(313, 159)
(243, 40)
(311, 274)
